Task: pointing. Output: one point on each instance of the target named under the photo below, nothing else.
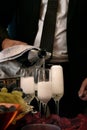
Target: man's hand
(83, 90)
(8, 43)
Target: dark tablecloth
(77, 123)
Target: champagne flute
(57, 84)
(27, 84)
(44, 88)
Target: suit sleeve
(7, 10)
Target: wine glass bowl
(44, 87)
(27, 84)
(57, 84)
(44, 91)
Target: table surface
(77, 123)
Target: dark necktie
(48, 31)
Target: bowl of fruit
(12, 107)
(8, 112)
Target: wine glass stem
(57, 107)
(40, 104)
(45, 108)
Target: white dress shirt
(59, 46)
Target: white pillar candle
(57, 79)
(27, 84)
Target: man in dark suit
(27, 13)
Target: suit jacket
(21, 17)
(77, 39)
